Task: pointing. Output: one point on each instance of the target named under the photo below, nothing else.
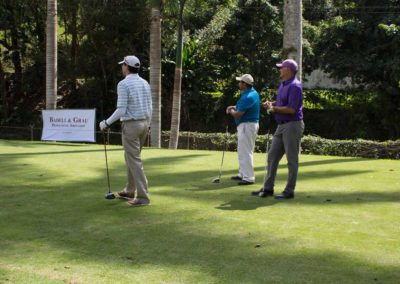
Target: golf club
(218, 179)
(261, 194)
(266, 158)
(109, 195)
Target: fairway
(56, 227)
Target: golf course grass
(56, 227)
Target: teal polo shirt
(249, 103)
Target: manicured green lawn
(56, 227)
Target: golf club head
(109, 195)
(216, 180)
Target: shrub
(309, 145)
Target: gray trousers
(286, 140)
(134, 133)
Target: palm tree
(155, 71)
(293, 31)
(176, 101)
(51, 55)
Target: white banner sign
(69, 125)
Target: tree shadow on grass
(169, 159)
(330, 174)
(57, 146)
(187, 183)
(339, 160)
(94, 232)
(26, 154)
(244, 204)
(314, 199)
(203, 182)
(78, 227)
(283, 162)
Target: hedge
(309, 145)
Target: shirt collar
(133, 75)
(288, 80)
(248, 90)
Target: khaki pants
(134, 133)
(247, 134)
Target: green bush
(309, 145)
(351, 148)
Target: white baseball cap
(247, 78)
(131, 60)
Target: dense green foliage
(92, 37)
(222, 38)
(360, 40)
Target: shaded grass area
(56, 227)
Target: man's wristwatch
(105, 122)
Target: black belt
(134, 120)
(286, 121)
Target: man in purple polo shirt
(288, 111)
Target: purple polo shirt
(290, 93)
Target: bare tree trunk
(51, 55)
(40, 26)
(293, 32)
(155, 72)
(3, 94)
(15, 52)
(176, 110)
(16, 59)
(74, 43)
(176, 98)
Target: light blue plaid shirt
(134, 94)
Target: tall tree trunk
(74, 43)
(40, 25)
(293, 32)
(176, 98)
(15, 52)
(3, 95)
(51, 55)
(155, 72)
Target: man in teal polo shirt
(246, 113)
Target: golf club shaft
(223, 151)
(105, 153)
(266, 158)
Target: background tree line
(221, 39)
